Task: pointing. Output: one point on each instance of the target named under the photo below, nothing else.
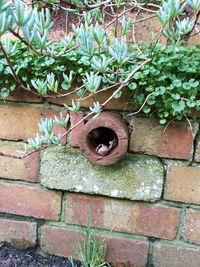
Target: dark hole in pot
(102, 140)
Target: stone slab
(136, 177)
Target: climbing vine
(163, 80)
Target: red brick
(63, 242)
(75, 117)
(24, 96)
(192, 226)
(197, 152)
(150, 137)
(30, 201)
(18, 233)
(20, 123)
(20, 169)
(123, 216)
(183, 184)
(122, 103)
(175, 256)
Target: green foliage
(177, 24)
(91, 252)
(167, 87)
(173, 80)
(172, 76)
(46, 136)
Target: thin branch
(38, 53)
(99, 91)
(190, 125)
(118, 16)
(124, 12)
(9, 63)
(133, 32)
(140, 109)
(25, 42)
(124, 83)
(64, 95)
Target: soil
(12, 257)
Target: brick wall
(150, 216)
(146, 208)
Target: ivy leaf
(151, 100)
(177, 83)
(132, 86)
(190, 104)
(178, 106)
(146, 110)
(118, 94)
(186, 86)
(137, 75)
(160, 90)
(163, 121)
(176, 96)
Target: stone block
(137, 177)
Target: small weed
(91, 252)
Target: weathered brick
(20, 169)
(124, 216)
(29, 201)
(192, 226)
(63, 242)
(20, 123)
(197, 152)
(122, 103)
(18, 233)
(183, 184)
(175, 256)
(24, 96)
(150, 137)
(75, 117)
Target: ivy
(172, 77)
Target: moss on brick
(136, 177)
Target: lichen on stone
(136, 177)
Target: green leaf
(151, 100)
(163, 121)
(4, 92)
(178, 106)
(118, 94)
(132, 86)
(177, 83)
(176, 96)
(160, 90)
(137, 75)
(186, 85)
(65, 86)
(146, 110)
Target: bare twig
(140, 109)
(190, 126)
(38, 53)
(133, 32)
(99, 91)
(124, 83)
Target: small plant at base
(91, 252)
